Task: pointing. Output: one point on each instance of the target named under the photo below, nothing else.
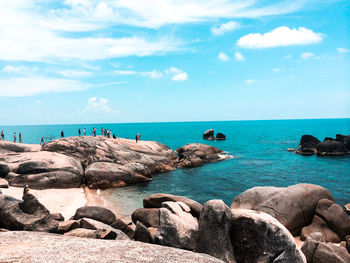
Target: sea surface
(258, 147)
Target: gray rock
(142, 234)
(215, 227)
(121, 225)
(328, 252)
(95, 212)
(318, 225)
(4, 170)
(258, 237)
(293, 206)
(147, 216)
(310, 245)
(177, 228)
(6, 200)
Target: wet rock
(142, 233)
(344, 139)
(95, 212)
(147, 216)
(156, 200)
(308, 144)
(208, 135)
(318, 225)
(220, 136)
(215, 227)
(290, 150)
(331, 147)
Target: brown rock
(3, 183)
(67, 226)
(95, 212)
(147, 216)
(310, 245)
(328, 252)
(89, 233)
(121, 225)
(89, 223)
(57, 216)
(142, 234)
(318, 225)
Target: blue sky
(80, 61)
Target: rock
(147, 216)
(41, 247)
(10, 147)
(344, 139)
(318, 225)
(310, 245)
(258, 237)
(57, 216)
(95, 212)
(347, 245)
(334, 216)
(196, 154)
(177, 228)
(42, 170)
(6, 200)
(220, 136)
(347, 209)
(331, 147)
(89, 233)
(3, 183)
(121, 225)
(208, 135)
(4, 170)
(89, 223)
(28, 215)
(156, 200)
(328, 252)
(142, 233)
(293, 206)
(215, 227)
(66, 226)
(308, 144)
(106, 175)
(290, 150)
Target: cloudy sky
(88, 61)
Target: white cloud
(176, 74)
(342, 50)
(225, 27)
(308, 55)
(154, 74)
(15, 69)
(28, 86)
(180, 76)
(96, 105)
(125, 72)
(281, 36)
(223, 57)
(249, 81)
(239, 56)
(75, 73)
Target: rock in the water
(331, 147)
(156, 200)
(177, 228)
(334, 216)
(220, 136)
(308, 144)
(3, 183)
(95, 212)
(28, 215)
(106, 175)
(4, 170)
(344, 139)
(196, 154)
(290, 150)
(208, 135)
(89, 223)
(293, 206)
(57, 216)
(52, 248)
(318, 225)
(66, 226)
(215, 227)
(147, 216)
(142, 234)
(258, 237)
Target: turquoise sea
(258, 147)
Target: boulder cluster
(310, 145)
(210, 135)
(97, 162)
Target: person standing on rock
(26, 190)
(42, 141)
(94, 132)
(62, 134)
(20, 138)
(101, 131)
(79, 132)
(14, 137)
(2, 135)
(84, 132)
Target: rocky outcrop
(197, 154)
(28, 215)
(95, 212)
(147, 216)
(318, 225)
(215, 227)
(57, 216)
(177, 227)
(49, 248)
(308, 144)
(208, 135)
(220, 136)
(293, 206)
(331, 147)
(156, 200)
(258, 237)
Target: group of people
(2, 137)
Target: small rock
(57, 216)
(121, 225)
(208, 135)
(347, 209)
(290, 150)
(347, 245)
(310, 245)
(220, 136)
(328, 252)
(4, 170)
(67, 226)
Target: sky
(116, 61)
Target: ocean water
(258, 147)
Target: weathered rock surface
(334, 216)
(177, 228)
(95, 212)
(28, 215)
(18, 247)
(215, 227)
(142, 233)
(318, 225)
(293, 206)
(147, 216)
(66, 226)
(258, 237)
(10, 147)
(208, 135)
(3, 183)
(89, 233)
(121, 225)
(197, 154)
(156, 200)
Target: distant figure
(42, 141)
(2, 135)
(94, 132)
(84, 132)
(26, 190)
(14, 137)
(62, 134)
(20, 138)
(79, 132)
(137, 137)
(105, 132)
(101, 131)
(114, 136)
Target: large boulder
(215, 227)
(106, 175)
(89, 223)
(293, 206)
(258, 237)
(331, 147)
(208, 135)
(334, 216)
(177, 227)
(318, 225)
(147, 216)
(28, 215)
(156, 200)
(308, 144)
(344, 139)
(95, 212)
(197, 154)
(4, 170)
(142, 233)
